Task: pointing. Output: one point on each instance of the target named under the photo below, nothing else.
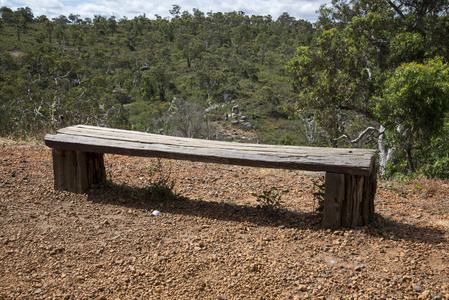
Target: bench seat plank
(123, 142)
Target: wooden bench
(350, 180)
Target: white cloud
(300, 9)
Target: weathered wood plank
(76, 171)
(334, 200)
(349, 200)
(133, 136)
(105, 140)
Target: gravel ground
(210, 240)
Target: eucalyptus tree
(21, 19)
(7, 14)
(364, 52)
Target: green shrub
(271, 199)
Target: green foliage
(271, 199)
(377, 70)
(438, 163)
(416, 97)
(125, 73)
(414, 105)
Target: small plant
(161, 185)
(150, 169)
(402, 192)
(271, 199)
(109, 170)
(318, 194)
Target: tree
(7, 14)
(75, 19)
(209, 76)
(100, 24)
(187, 118)
(349, 75)
(48, 27)
(175, 11)
(190, 47)
(21, 18)
(112, 24)
(157, 81)
(414, 105)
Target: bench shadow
(139, 198)
(392, 229)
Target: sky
(300, 9)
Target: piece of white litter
(156, 212)
(333, 261)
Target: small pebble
(417, 288)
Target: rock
(424, 295)
(358, 268)
(235, 122)
(248, 125)
(417, 288)
(211, 108)
(302, 288)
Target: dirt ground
(210, 241)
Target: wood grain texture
(334, 200)
(348, 200)
(116, 141)
(76, 171)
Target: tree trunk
(161, 93)
(410, 165)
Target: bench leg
(77, 171)
(348, 200)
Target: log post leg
(77, 171)
(348, 200)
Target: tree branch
(361, 135)
(61, 77)
(394, 6)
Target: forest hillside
(215, 75)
